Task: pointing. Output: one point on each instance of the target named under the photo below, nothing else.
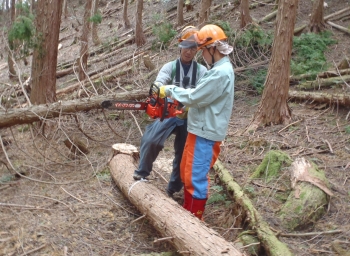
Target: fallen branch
(342, 29)
(330, 16)
(323, 82)
(272, 245)
(46, 111)
(310, 233)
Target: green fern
(308, 53)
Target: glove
(162, 93)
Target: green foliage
(271, 165)
(254, 38)
(226, 27)
(257, 78)
(347, 129)
(23, 8)
(216, 195)
(22, 31)
(308, 53)
(97, 18)
(164, 32)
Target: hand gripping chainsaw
(154, 106)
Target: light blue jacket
(210, 102)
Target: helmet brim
(190, 42)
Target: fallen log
(320, 97)
(323, 82)
(330, 16)
(307, 202)
(271, 244)
(42, 112)
(187, 233)
(341, 28)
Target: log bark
(342, 29)
(330, 16)
(188, 234)
(321, 83)
(319, 97)
(46, 111)
(272, 245)
(307, 202)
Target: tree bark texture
(127, 24)
(41, 112)
(272, 245)
(44, 59)
(84, 42)
(139, 35)
(94, 33)
(188, 234)
(65, 8)
(317, 23)
(180, 13)
(204, 12)
(10, 57)
(273, 107)
(245, 14)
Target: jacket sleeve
(208, 89)
(164, 75)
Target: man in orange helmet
(183, 72)
(210, 107)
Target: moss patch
(271, 165)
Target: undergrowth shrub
(308, 53)
(22, 31)
(96, 19)
(163, 31)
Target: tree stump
(187, 233)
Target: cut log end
(123, 148)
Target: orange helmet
(205, 36)
(209, 34)
(187, 32)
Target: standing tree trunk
(95, 38)
(180, 12)
(65, 9)
(84, 41)
(245, 14)
(204, 12)
(44, 61)
(317, 23)
(273, 107)
(125, 15)
(139, 35)
(10, 57)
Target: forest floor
(63, 204)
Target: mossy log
(187, 233)
(306, 204)
(269, 241)
(321, 83)
(320, 97)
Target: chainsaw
(154, 106)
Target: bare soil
(59, 203)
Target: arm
(208, 89)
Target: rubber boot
(197, 207)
